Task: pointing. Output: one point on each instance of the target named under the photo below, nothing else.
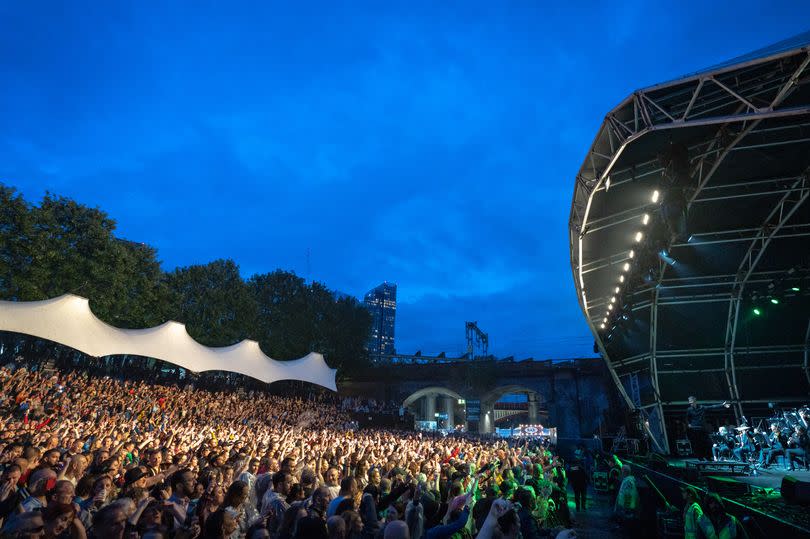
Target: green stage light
(775, 301)
(795, 288)
(757, 312)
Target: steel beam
(807, 352)
(654, 366)
(776, 219)
(616, 135)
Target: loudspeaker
(795, 491)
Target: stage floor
(770, 478)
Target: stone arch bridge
(576, 396)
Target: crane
(477, 340)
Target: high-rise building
(381, 302)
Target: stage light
(626, 266)
(610, 307)
(646, 218)
(613, 299)
(795, 288)
(632, 253)
(775, 301)
(639, 236)
(663, 254)
(604, 320)
(655, 196)
(621, 278)
(616, 290)
(602, 326)
(757, 311)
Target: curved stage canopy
(690, 237)
(68, 320)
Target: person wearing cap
(135, 477)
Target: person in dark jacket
(444, 531)
(528, 524)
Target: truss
(738, 103)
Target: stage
(754, 498)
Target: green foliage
(61, 246)
(213, 301)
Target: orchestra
(786, 437)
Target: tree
(213, 301)
(63, 247)
(15, 245)
(284, 326)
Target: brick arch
(416, 395)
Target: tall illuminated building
(381, 302)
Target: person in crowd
(142, 458)
(725, 526)
(578, 479)
(695, 523)
(354, 524)
(627, 508)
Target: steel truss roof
(746, 125)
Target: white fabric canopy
(68, 320)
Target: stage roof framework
(689, 217)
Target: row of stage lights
(639, 236)
(777, 289)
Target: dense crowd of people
(86, 455)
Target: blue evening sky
(432, 144)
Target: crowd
(102, 457)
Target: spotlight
(613, 299)
(610, 307)
(616, 290)
(602, 326)
(655, 196)
(604, 320)
(639, 236)
(664, 255)
(757, 311)
(632, 253)
(621, 277)
(626, 266)
(775, 301)
(795, 288)
(645, 219)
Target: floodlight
(655, 196)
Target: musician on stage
(696, 431)
(745, 443)
(776, 446)
(798, 446)
(722, 444)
